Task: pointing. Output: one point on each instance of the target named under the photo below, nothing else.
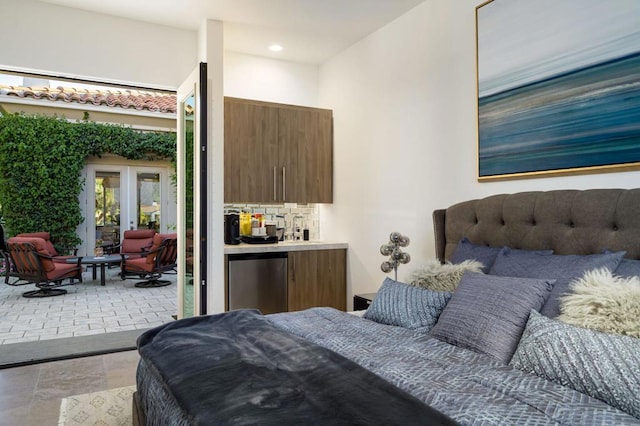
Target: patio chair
(58, 256)
(160, 259)
(33, 264)
(135, 244)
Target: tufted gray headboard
(567, 221)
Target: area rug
(106, 408)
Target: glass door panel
(107, 209)
(192, 194)
(189, 302)
(148, 200)
(122, 197)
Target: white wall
(69, 42)
(265, 79)
(63, 41)
(404, 102)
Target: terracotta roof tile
(138, 100)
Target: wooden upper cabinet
(250, 151)
(306, 154)
(277, 153)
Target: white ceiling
(311, 31)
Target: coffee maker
(232, 228)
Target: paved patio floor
(87, 308)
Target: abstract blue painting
(558, 86)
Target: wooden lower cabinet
(317, 278)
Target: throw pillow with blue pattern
(407, 306)
(601, 365)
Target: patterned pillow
(466, 250)
(407, 306)
(603, 302)
(604, 366)
(628, 268)
(562, 268)
(487, 313)
(442, 277)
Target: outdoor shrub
(41, 159)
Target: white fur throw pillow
(603, 302)
(442, 277)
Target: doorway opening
(118, 194)
(122, 197)
(92, 317)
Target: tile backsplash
(305, 216)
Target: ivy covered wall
(41, 159)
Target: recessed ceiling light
(275, 48)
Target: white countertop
(282, 246)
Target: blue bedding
(238, 368)
(199, 370)
(471, 388)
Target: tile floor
(31, 395)
(87, 308)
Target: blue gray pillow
(466, 250)
(604, 366)
(562, 268)
(628, 268)
(488, 313)
(407, 306)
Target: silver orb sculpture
(396, 255)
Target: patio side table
(99, 261)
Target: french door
(192, 194)
(121, 197)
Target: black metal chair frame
(164, 262)
(29, 268)
(9, 269)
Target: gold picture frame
(558, 87)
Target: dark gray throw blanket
(237, 368)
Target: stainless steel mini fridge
(258, 281)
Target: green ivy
(41, 159)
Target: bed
(491, 351)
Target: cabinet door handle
(274, 185)
(284, 184)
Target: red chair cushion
(139, 233)
(138, 265)
(43, 235)
(135, 240)
(63, 270)
(157, 241)
(47, 241)
(40, 246)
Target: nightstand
(362, 301)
